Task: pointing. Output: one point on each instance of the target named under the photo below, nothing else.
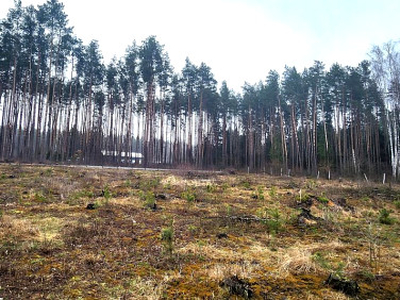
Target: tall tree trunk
(200, 133)
(189, 129)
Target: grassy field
(78, 233)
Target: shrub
(229, 210)
(311, 184)
(150, 184)
(246, 184)
(397, 204)
(167, 237)
(106, 193)
(384, 217)
(273, 220)
(337, 270)
(189, 195)
(148, 198)
(211, 188)
(302, 197)
(319, 258)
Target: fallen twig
(247, 219)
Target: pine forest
(60, 102)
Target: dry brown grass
(297, 261)
(17, 227)
(115, 251)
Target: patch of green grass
(368, 214)
(193, 229)
(211, 188)
(260, 193)
(367, 275)
(39, 197)
(323, 199)
(225, 186)
(76, 197)
(48, 172)
(365, 199)
(246, 184)
(82, 194)
(96, 205)
(272, 192)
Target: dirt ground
(83, 233)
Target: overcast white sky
(241, 40)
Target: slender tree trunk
(162, 108)
(283, 138)
(189, 128)
(200, 133)
(224, 142)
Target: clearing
(68, 233)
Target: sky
(241, 40)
